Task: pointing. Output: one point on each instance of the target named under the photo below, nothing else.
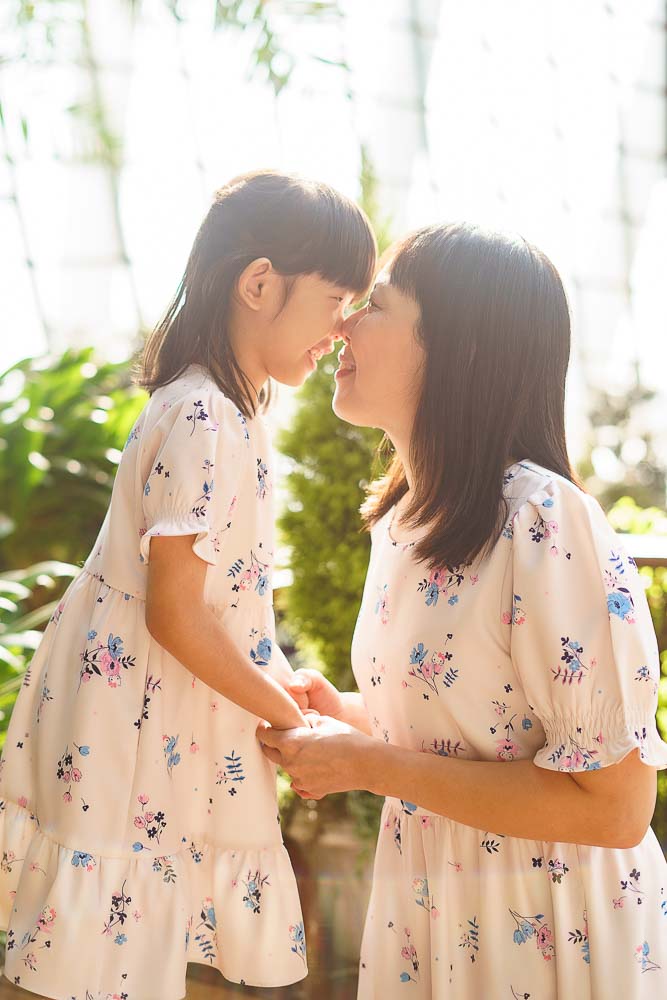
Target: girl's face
(379, 377)
(305, 329)
(282, 326)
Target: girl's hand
(328, 757)
(321, 694)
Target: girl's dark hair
(495, 327)
(302, 226)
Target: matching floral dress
(543, 650)
(139, 826)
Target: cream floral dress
(139, 825)
(544, 650)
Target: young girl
(140, 828)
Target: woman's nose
(347, 326)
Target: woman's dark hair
(495, 328)
(302, 226)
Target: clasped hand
(324, 756)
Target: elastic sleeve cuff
(588, 746)
(205, 544)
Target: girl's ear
(252, 285)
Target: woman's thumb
(300, 680)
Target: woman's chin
(344, 407)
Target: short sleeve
(198, 452)
(582, 639)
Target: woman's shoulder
(541, 502)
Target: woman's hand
(281, 670)
(328, 757)
(321, 694)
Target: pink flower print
(67, 797)
(232, 506)
(85, 678)
(519, 616)
(618, 903)
(149, 817)
(139, 822)
(137, 915)
(507, 617)
(474, 579)
(106, 661)
(76, 774)
(23, 801)
(143, 798)
(544, 936)
(194, 747)
(427, 670)
(46, 918)
(456, 865)
(438, 661)
(507, 749)
(425, 822)
(234, 883)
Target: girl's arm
(178, 618)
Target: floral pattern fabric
(542, 650)
(139, 826)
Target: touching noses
(347, 326)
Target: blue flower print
(298, 940)
(619, 604)
(641, 954)
(418, 654)
(254, 885)
(115, 644)
(171, 755)
(619, 598)
(81, 859)
(261, 654)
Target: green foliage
(21, 628)
(63, 423)
(332, 461)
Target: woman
(504, 653)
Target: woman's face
(379, 378)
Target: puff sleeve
(198, 451)
(582, 639)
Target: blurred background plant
(117, 122)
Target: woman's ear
(253, 281)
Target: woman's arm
(609, 807)
(178, 619)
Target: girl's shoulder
(195, 396)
